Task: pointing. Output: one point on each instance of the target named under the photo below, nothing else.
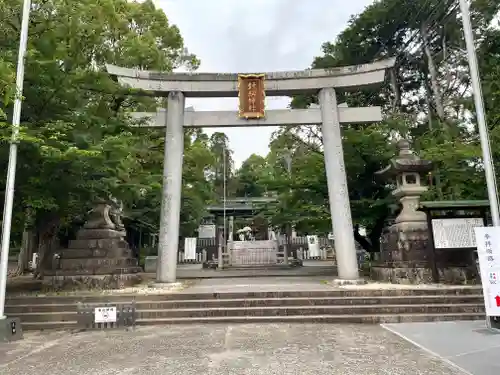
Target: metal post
(340, 210)
(288, 240)
(168, 242)
(224, 243)
(489, 169)
(11, 169)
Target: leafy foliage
(78, 144)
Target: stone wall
(407, 258)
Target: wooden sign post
(252, 95)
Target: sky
(238, 36)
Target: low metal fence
(99, 316)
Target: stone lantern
(404, 245)
(407, 168)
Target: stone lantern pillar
(404, 245)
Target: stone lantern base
(405, 258)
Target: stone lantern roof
(405, 161)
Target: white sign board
(190, 248)
(488, 252)
(253, 252)
(105, 315)
(455, 233)
(313, 246)
(206, 231)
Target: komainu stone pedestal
(99, 257)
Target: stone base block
(92, 263)
(94, 271)
(83, 282)
(150, 264)
(10, 329)
(99, 234)
(423, 275)
(95, 253)
(101, 243)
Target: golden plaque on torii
(252, 96)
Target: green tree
(426, 100)
(77, 141)
(251, 176)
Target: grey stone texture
(99, 249)
(223, 350)
(10, 329)
(468, 345)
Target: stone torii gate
(177, 86)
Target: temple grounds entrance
(252, 90)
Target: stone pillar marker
(168, 241)
(338, 194)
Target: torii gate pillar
(338, 193)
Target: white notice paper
(488, 251)
(457, 233)
(313, 246)
(105, 315)
(190, 248)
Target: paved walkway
(253, 349)
(310, 268)
(467, 345)
(261, 284)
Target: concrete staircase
(333, 306)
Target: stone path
(243, 284)
(466, 344)
(223, 350)
(296, 283)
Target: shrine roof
(445, 205)
(240, 206)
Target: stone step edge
(305, 307)
(377, 319)
(225, 300)
(307, 317)
(256, 308)
(261, 294)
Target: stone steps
(259, 302)
(186, 296)
(339, 319)
(333, 306)
(364, 319)
(232, 312)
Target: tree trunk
(371, 243)
(438, 100)
(396, 104)
(28, 244)
(46, 246)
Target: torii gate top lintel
(276, 83)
